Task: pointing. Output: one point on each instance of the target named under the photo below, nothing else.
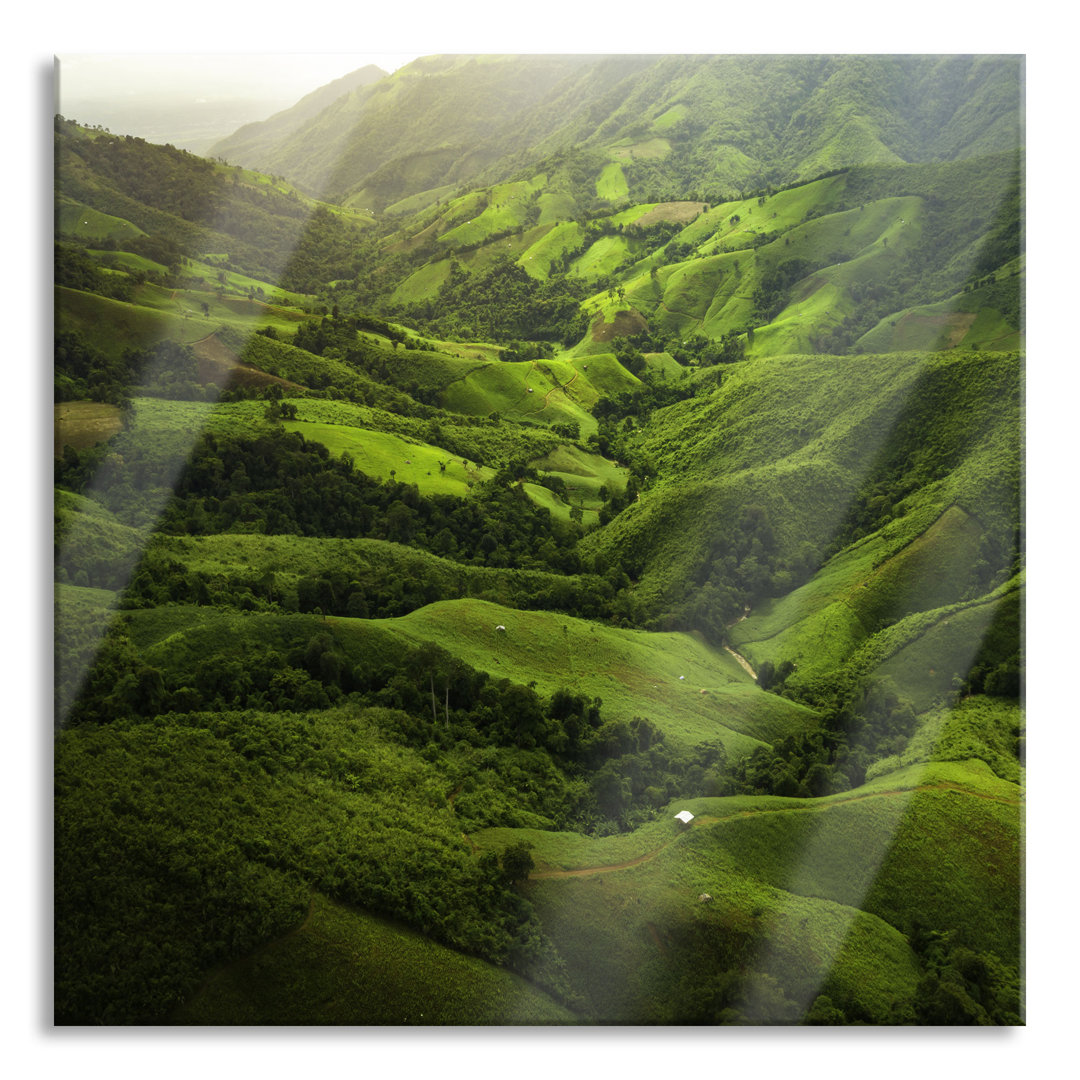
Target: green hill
(807, 440)
(534, 449)
(422, 125)
(402, 978)
(690, 690)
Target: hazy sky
(208, 77)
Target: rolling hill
(468, 470)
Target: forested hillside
(535, 449)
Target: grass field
(291, 769)
(208, 273)
(505, 210)
(423, 283)
(538, 257)
(544, 392)
(691, 691)
(162, 314)
(788, 878)
(113, 326)
(602, 258)
(83, 423)
(990, 730)
(128, 260)
(819, 625)
(944, 325)
(798, 436)
(77, 219)
(583, 473)
(611, 183)
(649, 149)
(281, 561)
(420, 201)
(633, 937)
(433, 470)
(556, 206)
(91, 541)
(737, 244)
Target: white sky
(191, 77)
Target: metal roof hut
(684, 816)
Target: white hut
(685, 816)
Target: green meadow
(380, 454)
(611, 183)
(690, 690)
(78, 219)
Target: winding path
(743, 662)
(560, 386)
(708, 821)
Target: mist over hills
(246, 141)
(731, 123)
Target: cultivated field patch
(81, 424)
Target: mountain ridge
(828, 112)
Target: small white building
(684, 816)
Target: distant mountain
(439, 119)
(247, 141)
(672, 124)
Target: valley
(459, 477)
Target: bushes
(279, 483)
(189, 843)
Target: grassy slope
(801, 435)
(633, 672)
(291, 557)
(853, 231)
(990, 730)
(351, 429)
(539, 255)
(818, 625)
(159, 314)
(379, 454)
(77, 219)
(908, 844)
(788, 878)
(561, 390)
(89, 538)
(80, 424)
(583, 473)
(963, 321)
(343, 966)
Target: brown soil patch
(743, 662)
(952, 326)
(657, 939)
(217, 364)
(81, 424)
(626, 324)
(671, 211)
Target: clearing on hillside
(634, 672)
(80, 424)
